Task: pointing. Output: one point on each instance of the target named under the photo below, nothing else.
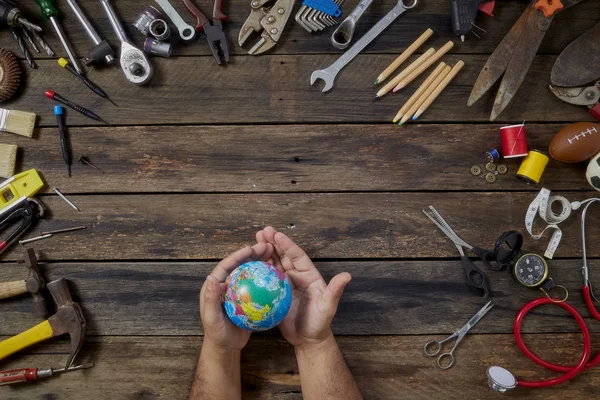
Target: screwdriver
(65, 64)
(64, 142)
(55, 96)
(33, 374)
(50, 12)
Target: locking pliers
(268, 16)
(582, 96)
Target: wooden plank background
(204, 156)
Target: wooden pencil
(428, 63)
(404, 56)
(419, 91)
(434, 95)
(413, 66)
(438, 79)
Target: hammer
(67, 320)
(34, 284)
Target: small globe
(257, 296)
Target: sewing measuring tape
(542, 206)
(514, 141)
(533, 166)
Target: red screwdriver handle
(218, 11)
(18, 376)
(201, 20)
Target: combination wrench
(134, 62)
(186, 31)
(328, 74)
(342, 36)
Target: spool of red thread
(514, 141)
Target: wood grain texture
(384, 368)
(433, 14)
(384, 298)
(330, 225)
(268, 158)
(276, 89)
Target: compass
(531, 270)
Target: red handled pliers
(25, 211)
(213, 30)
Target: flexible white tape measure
(542, 205)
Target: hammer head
(35, 284)
(68, 318)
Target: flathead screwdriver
(52, 95)
(50, 12)
(33, 374)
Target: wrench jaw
(251, 25)
(135, 64)
(325, 77)
(266, 43)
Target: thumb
(335, 289)
(211, 299)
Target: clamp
(214, 31)
(270, 18)
(588, 96)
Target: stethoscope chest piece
(500, 379)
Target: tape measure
(19, 187)
(542, 206)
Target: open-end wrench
(186, 31)
(134, 62)
(328, 74)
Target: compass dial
(531, 270)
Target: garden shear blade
(582, 96)
(514, 55)
(212, 29)
(268, 17)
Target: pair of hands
(314, 303)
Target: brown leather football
(576, 142)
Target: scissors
(476, 279)
(459, 335)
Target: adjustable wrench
(134, 62)
(186, 31)
(328, 74)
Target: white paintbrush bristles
(18, 122)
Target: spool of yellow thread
(533, 166)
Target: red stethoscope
(501, 380)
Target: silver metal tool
(269, 18)
(41, 42)
(49, 234)
(102, 50)
(186, 31)
(459, 335)
(35, 239)
(157, 48)
(62, 196)
(313, 20)
(328, 74)
(63, 39)
(342, 36)
(159, 29)
(134, 63)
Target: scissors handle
(476, 279)
(449, 357)
(435, 352)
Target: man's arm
(218, 374)
(324, 373)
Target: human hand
(314, 303)
(219, 331)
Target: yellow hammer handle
(23, 340)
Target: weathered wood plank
(276, 89)
(433, 14)
(333, 225)
(268, 158)
(384, 368)
(384, 298)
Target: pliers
(268, 16)
(214, 31)
(25, 210)
(582, 96)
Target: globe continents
(257, 296)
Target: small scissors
(459, 335)
(475, 277)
